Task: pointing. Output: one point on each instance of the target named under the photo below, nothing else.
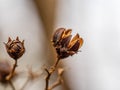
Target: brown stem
(56, 63)
(25, 84)
(59, 79)
(58, 82)
(50, 72)
(47, 79)
(12, 72)
(11, 84)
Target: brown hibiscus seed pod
(15, 48)
(64, 45)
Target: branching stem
(11, 84)
(50, 72)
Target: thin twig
(47, 79)
(11, 84)
(32, 76)
(58, 82)
(59, 79)
(56, 63)
(25, 84)
(50, 72)
(12, 72)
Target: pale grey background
(97, 67)
(20, 18)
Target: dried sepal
(9, 39)
(75, 46)
(65, 41)
(17, 38)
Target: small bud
(64, 45)
(15, 48)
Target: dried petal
(81, 42)
(75, 37)
(57, 35)
(66, 33)
(75, 47)
(65, 41)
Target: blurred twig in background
(47, 12)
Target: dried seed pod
(64, 45)
(15, 48)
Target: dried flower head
(65, 46)
(5, 70)
(15, 48)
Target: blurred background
(96, 67)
